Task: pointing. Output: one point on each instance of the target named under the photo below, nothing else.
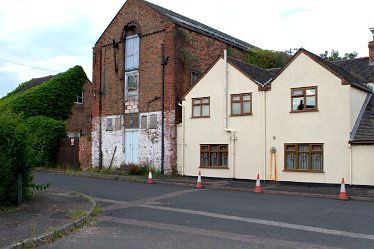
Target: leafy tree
(266, 59)
(334, 55)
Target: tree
(334, 55)
(266, 59)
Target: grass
(96, 211)
(75, 214)
(8, 208)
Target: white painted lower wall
(149, 150)
(363, 165)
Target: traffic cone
(199, 184)
(343, 195)
(150, 179)
(258, 188)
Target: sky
(44, 37)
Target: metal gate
(131, 146)
(68, 152)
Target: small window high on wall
(132, 53)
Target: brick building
(128, 71)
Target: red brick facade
(187, 51)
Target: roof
(346, 76)
(258, 75)
(359, 67)
(35, 82)
(363, 132)
(198, 27)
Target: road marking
(265, 222)
(217, 234)
(124, 204)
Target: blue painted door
(131, 146)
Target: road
(142, 216)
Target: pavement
(53, 212)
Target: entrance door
(131, 146)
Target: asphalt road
(142, 216)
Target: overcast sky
(44, 37)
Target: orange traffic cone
(150, 179)
(343, 195)
(199, 184)
(258, 185)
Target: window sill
(304, 111)
(213, 167)
(303, 171)
(240, 115)
(201, 117)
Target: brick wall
(371, 51)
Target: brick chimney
(371, 49)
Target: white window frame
(127, 84)
(79, 99)
(132, 52)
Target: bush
(12, 160)
(138, 169)
(42, 137)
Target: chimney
(371, 49)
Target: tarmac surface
(53, 212)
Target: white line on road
(266, 222)
(274, 243)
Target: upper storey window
(132, 52)
(304, 99)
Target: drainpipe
(264, 123)
(350, 164)
(225, 121)
(183, 134)
(163, 63)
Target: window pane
(303, 161)
(214, 148)
(303, 147)
(246, 97)
(196, 111)
(204, 159)
(205, 110)
(290, 161)
(132, 80)
(246, 107)
(310, 91)
(297, 92)
(297, 103)
(290, 148)
(205, 101)
(196, 101)
(316, 147)
(235, 98)
(235, 108)
(316, 161)
(223, 159)
(223, 147)
(132, 53)
(311, 102)
(214, 159)
(204, 147)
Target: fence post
(19, 202)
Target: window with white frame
(79, 99)
(132, 83)
(132, 53)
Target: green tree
(266, 59)
(334, 55)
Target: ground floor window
(213, 155)
(303, 157)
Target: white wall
(249, 129)
(330, 125)
(363, 165)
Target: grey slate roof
(257, 74)
(363, 133)
(359, 67)
(199, 27)
(35, 82)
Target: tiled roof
(199, 27)
(257, 74)
(35, 82)
(359, 67)
(363, 133)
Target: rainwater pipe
(226, 118)
(183, 133)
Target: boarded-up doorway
(68, 152)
